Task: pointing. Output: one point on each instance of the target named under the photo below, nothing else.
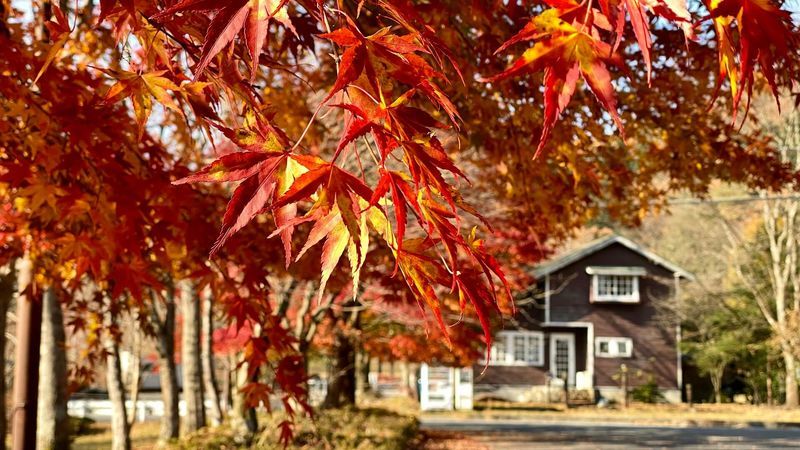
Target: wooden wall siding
(530, 316)
(653, 341)
(510, 375)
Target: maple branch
(586, 15)
(161, 28)
(371, 151)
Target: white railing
(99, 409)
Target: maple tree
(357, 125)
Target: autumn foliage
(355, 125)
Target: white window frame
(597, 298)
(506, 358)
(613, 347)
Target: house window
(615, 288)
(498, 355)
(613, 347)
(518, 348)
(534, 351)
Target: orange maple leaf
(563, 52)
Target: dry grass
(386, 424)
(405, 406)
(143, 437)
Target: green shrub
(79, 426)
(355, 429)
(648, 392)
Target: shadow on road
(521, 435)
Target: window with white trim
(613, 347)
(498, 354)
(518, 348)
(615, 288)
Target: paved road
(528, 435)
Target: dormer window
(615, 284)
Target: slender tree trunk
(207, 355)
(191, 366)
(228, 386)
(342, 389)
(167, 373)
(52, 430)
(7, 289)
(716, 383)
(243, 419)
(120, 431)
(413, 381)
(790, 363)
(135, 371)
(769, 383)
(362, 374)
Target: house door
(562, 356)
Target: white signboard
(445, 388)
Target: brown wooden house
(591, 311)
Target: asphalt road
(526, 435)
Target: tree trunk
(362, 375)
(120, 431)
(243, 419)
(769, 384)
(716, 383)
(52, 430)
(342, 388)
(191, 366)
(135, 370)
(790, 363)
(207, 354)
(413, 381)
(7, 289)
(227, 387)
(167, 373)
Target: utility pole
(26, 369)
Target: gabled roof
(568, 258)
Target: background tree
(7, 293)
(162, 319)
(53, 427)
(191, 365)
(716, 336)
(210, 385)
(120, 428)
(766, 258)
